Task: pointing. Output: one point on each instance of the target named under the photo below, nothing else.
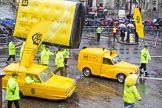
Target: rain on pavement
(97, 92)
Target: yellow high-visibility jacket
(98, 30)
(11, 48)
(59, 60)
(145, 56)
(12, 90)
(45, 54)
(131, 94)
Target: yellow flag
(34, 39)
(138, 23)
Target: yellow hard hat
(131, 79)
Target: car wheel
(86, 72)
(20, 94)
(121, 78)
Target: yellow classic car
(46, 84)
(105, 63)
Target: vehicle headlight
(75, 82)
(67, 90)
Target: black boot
(141, 71)
(146, 74)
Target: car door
(107, 68)
(36, 88)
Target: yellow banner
(138, 23)
(34, 39)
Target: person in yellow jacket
(145, 57)
(59, 62)
(41, 48)
(115, 31)
(130, 91)
(45, 56)
(12, 51)
(66, 54)
(12, 91)
(98, 32)
(28, 79)
(31, 78)
(22, 49)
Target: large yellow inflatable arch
(65, 21)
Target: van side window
(107, 61)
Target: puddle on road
(98, 93)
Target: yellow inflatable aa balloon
(67, 19)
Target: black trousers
(98, 37)
(128, 105)
(16, 102)
(65, 61)
(114, 35)
(59, 69)
(143, 66)
(11, 56)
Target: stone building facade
(152, 8)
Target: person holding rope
(59, 62)
(45, 54)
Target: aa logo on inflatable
(138, 19)
(36, 38)
(24, 3)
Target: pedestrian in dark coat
(122, 35)
(128, 33)
(136, 37)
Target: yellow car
(104, 63)
(47, 85)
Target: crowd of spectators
(102, 17)
(6, 26)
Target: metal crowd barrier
(108, 30)
(87, 31)
(5, 39)
(92, 30)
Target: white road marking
(152, 78)
(156, 56)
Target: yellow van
(105, 63)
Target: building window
(154, 2)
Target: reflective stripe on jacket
(12, 90)
(12, 48)
(130, 94)
(59, 60)
(145, 56)
(45, 56)
(98, 30)
(114, 30)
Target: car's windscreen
(46, 74)
(116, 59)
